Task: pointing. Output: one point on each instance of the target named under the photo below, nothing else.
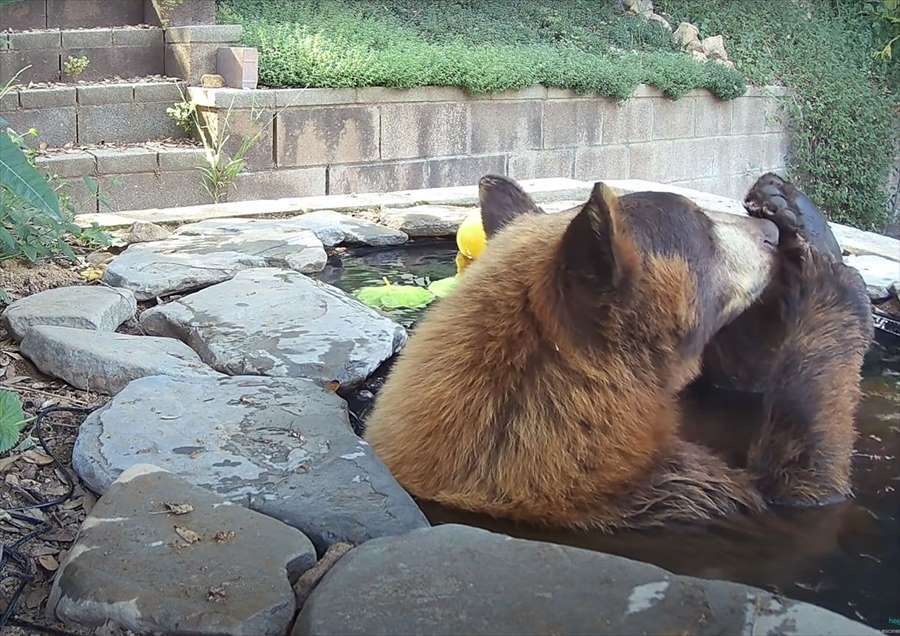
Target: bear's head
(647, 269)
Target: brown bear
(545, 388)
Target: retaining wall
(70, 14)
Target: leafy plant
(390, 296)
(12, 420)
(75, 66)
(184, 113)
(886, 14)
(443, 286)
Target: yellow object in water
(470, 240)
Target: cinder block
(673, 119)
(207, 33)
(652, 161)
(116, 61)
(749, 115)
(459, 171)
(775, 113)
(378, 177)
(81, 193)
(381, 94)
(73, 14)
(247, 124)
(125, 160)
(694, 159)
(56, 126)
(712, 117)
(541, 164)
(529, 92)
(278, 184)
(180, 188)
(296, 97)
(500, 126)
(34, 40)
(424, 130)
(175, 159)
(602, 162)
(4, 41)
(628, 121)
(87, 38)
(68, 165)
(47, 97)
(143, 191)
(577, 122)
(169, 92)
(139, 37)
(776, 150)
(105, 94)
(225, 98)
(186, 13)
(190, 61)
(315, 136)
(742, 154)
(25, 14)
(9, 101)
(125, 123)
(239, 65)
(31, 66)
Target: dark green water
(845, 557)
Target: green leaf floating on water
(390, 296)
(12, 418)
(444, 286)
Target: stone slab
(85, 307)
(131, 568)
(281, 446)
(426, 220)
(278, 322)
(455, 579)
(881, 274)
(105, 362)
(189, 261)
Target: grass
(842, 109)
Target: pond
(844, 557)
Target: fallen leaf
(187, 534)
(6, 462)
(333, 386)
(49, 562)
(37, 457)
(224, 536)
(175, 509)
(216, 594)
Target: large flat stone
(105, 362)
(85, 307)
(131, 567)
(426, 220)
(460, 580)
(330, 227)
(280, 446)
(192, 260)
(280, 323)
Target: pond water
(844, 557)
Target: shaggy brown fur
(545, 388)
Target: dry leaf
(175, 509)
(37, 457)
(224, 536)
(187, 534)
(6, 462)
(216, 594)
(49, 562)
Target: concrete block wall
(71, 14)
(377, 139)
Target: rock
(105, 362)
(699, 56)
(642, 8)
(141, 569)
(212, 80)
(880, 274)
(188, 261)
(655, 17)
(281, 446)
(143, 232)
(685, 34)
(330, 227)
(426, 220)
(727, 63)
(455, 579)
(280, 323)
(310, 579)
(86, 307)
(714, 47)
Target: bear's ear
(502, 201)
(592, 250)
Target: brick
(125, 123)
(673, 119)
(623, 122)
(573, 123)
(424, 130)
(239, 66)
(34, 40)
(47, 97)
(56, 126)
(244, 124)
(35, 66)
(87, 38)
(125, 160)
(279, 184)
(105, 94)
(458, 171)
(23, 15)
(540, 164)
(712, 117)
(288, 97)
(313, 136)
(377, 177)
(170, 92)
(71, 14)
(68, 165)
(115, 61)
(174, 159)
(604, 162)
(380, 94)
(215, 34)
(499, 126)
(749, 115)
(139, 37)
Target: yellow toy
(470, 240)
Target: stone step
(95, 113)
(73, 14)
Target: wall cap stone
(207, 33)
